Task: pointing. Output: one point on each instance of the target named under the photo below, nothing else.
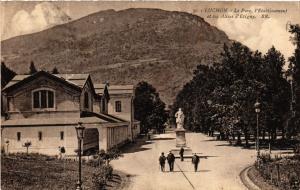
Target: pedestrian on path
(195, 161)
(171, 160)
(162, 162)
(181, 153)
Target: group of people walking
(171, 160)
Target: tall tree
(6, 74)
(277, 92)
(149, 108)
(294, 70)
(55, 71)
(32, 68)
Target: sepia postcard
(150, 95)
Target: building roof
(58, 122)
(103, 116)
(16, 79)
(75, 79)
(51, 121)
(114, 89)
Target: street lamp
(80, 135)
(290, 80)
(257, 111)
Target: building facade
(121, 105)
(44, 109)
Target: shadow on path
(161, 138)
(187, 171)
(137, 146)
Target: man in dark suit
(195, 161)
(181, 153)
(162, 161)
(171, 160)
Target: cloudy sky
(17, 18)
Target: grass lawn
(42, 172)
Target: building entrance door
(90, 141)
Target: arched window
(43, 98)
(86, 100)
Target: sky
(242, 21)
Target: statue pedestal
(181, 142)
(180, 137)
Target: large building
(44, 109)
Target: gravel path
(219, 171)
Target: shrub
(112, 154)
(102, 174)
(99, 181)
(265, 157)
(108, 171)
(27, 145)
(283, 172)
(95, 162)
(62, 150)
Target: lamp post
(80, 135)
(290, 80)
(257, 111)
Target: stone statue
(179, 119)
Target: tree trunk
(283, 132)
(222, 136)
(239, 141)
(263, 134)
(275, 134)
(246, 138)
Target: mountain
(123, 47)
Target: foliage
(55, 71)
(103, 172)
(112, 154)
(6, 74)
(27, 145)
(294, 71)
(283, 172)
(221, 98)
(105, 157)
(149, 108)
(62, 150)
(101, 175)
